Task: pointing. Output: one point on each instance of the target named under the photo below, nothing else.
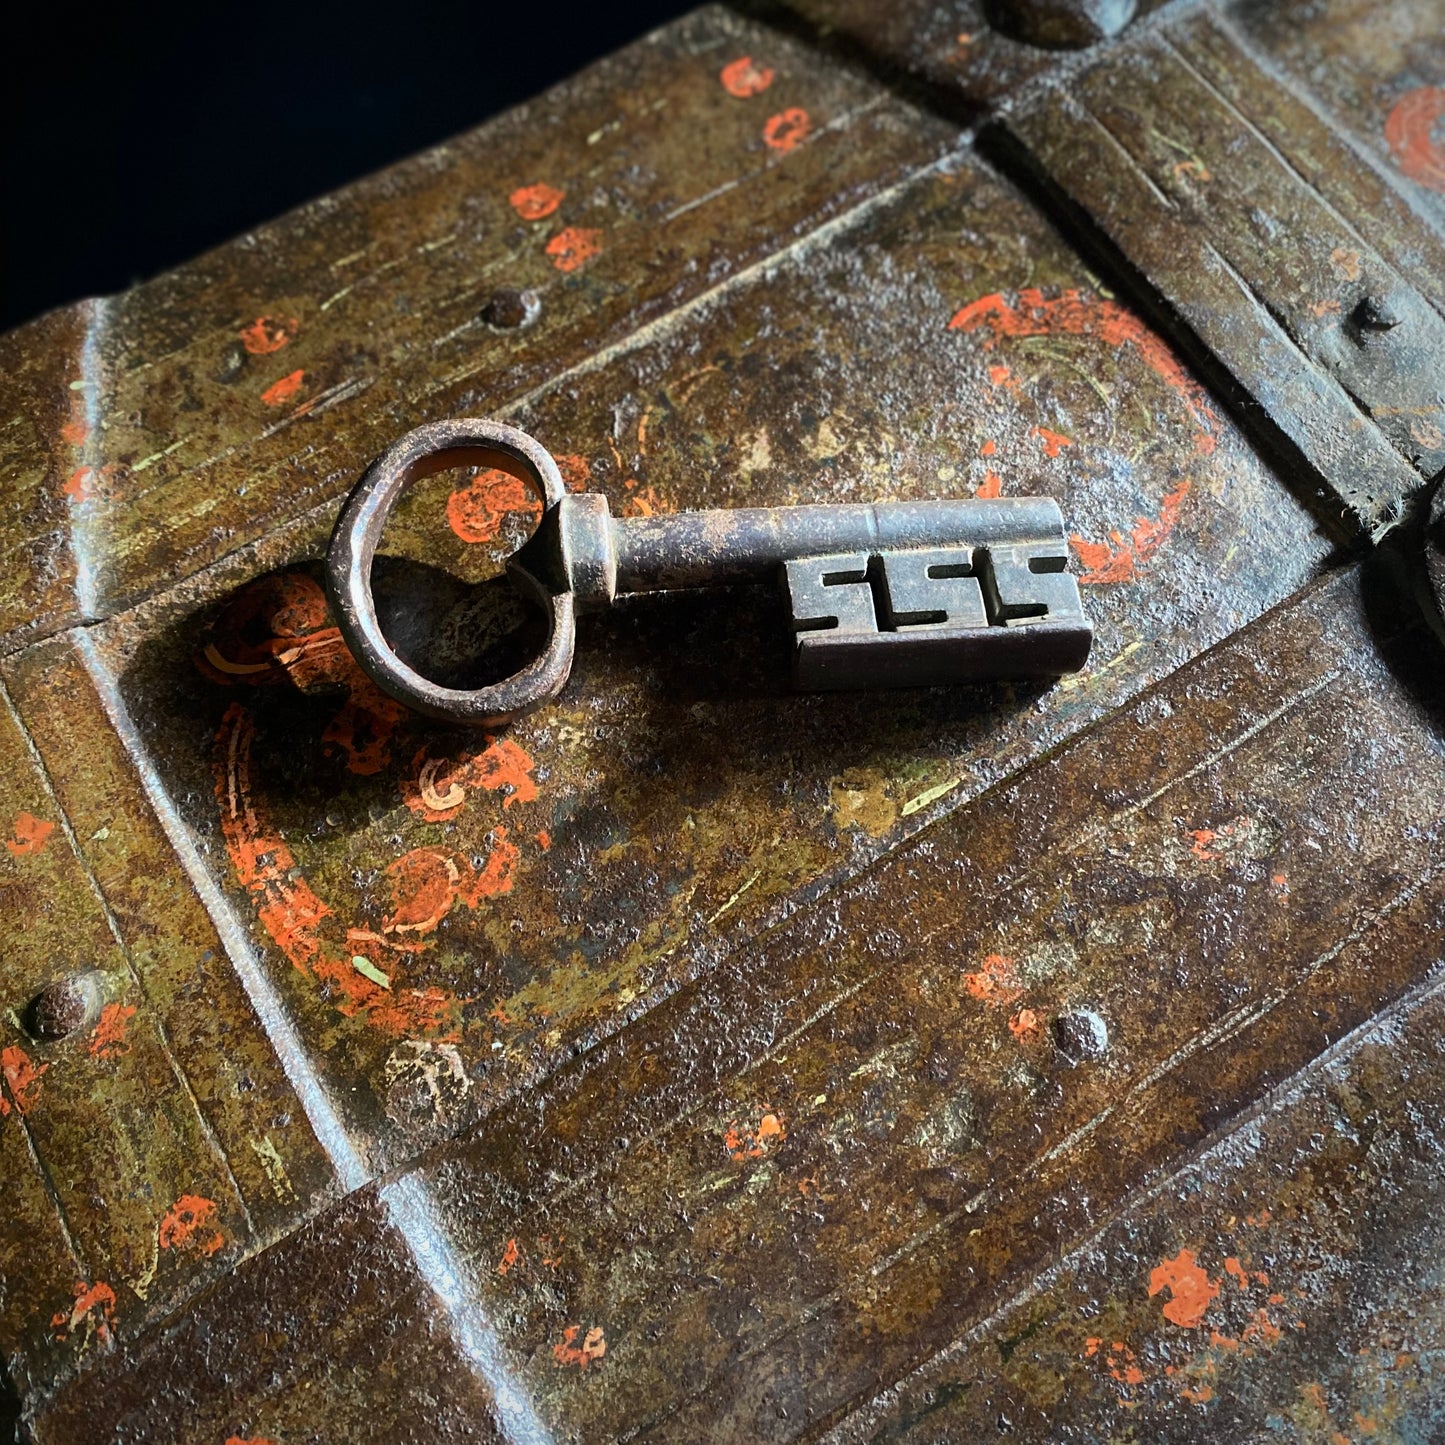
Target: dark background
(132, 137)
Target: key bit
(882, 594)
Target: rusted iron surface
(968, 56)
(797, 1177)
(201, 409)
(694, 1060)
(525, 894)
(512, 901)
(1284, 1285)
(1160, 145)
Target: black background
(133, 137)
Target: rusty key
(887, 594)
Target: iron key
(884, 594)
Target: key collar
(420, 453)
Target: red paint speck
(29, 835)
(592, 1348)
(268, 334)
(108, 1041)
(744, 1144)
(788, 129)
(989, 448)
(88, 1299)
(190, 1224)
(510, 1255)
(995, 982)
(535, 202)
(573, 247)
(1191, 1289)
(744, 77)
(992, 486)
(1024, 1025)
(280, 392)
(22, 1076)
(1410, 134)
(1054, 442)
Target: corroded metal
(1060, 24)
(63, 1007)
(942, 591)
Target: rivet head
(1081, 1034)
(63, 1007)
(510, 308)
(1375, 313)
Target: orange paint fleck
(991, 486)
(544, 840)
(642, 501)
(1345, 263)
(1119, 1361)
(249, 1440)
(1191, 1289)
(295, 918)
(535, 202)
(108, 1040)
(998, 375)
(280, 392)
(989, 448)
(29, 835)
(1199, 1395)
(268, 334)
(1024, 1024)
(1054, 442)
(75, 432)
(788, 129)
(995, 983)
(743, 77)
(1262, 1328)
(476, 510)
(1118, 559)
(1258, 1221)
(1410, 134)
(576, 472)
(1237, 1272)
(573, 247)
(22, 1077)
(1200, 848)
(742, 1144)
(592, 1348)
(1192, 167)
(88, 1299)
(1280, 883)
(190, 1223)
(1325, 308)
(79, 486)
(510, 1255)
(437, 788)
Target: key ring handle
(420, 453)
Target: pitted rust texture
(1285, 1282)
(169, 1141)
(524, 895)
(971, 55)
(299, 1339)
(198, 411)
(859, 1140)
(1273, 278)
(689, 1175)
(1379, 75)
